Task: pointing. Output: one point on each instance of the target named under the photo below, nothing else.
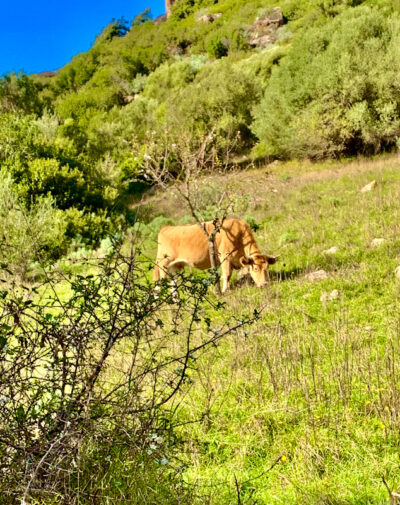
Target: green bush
(20, 93)
(171, 77)
(336, 91)
(46, 176)
(206, 105)
(27, 234)
(217, 47)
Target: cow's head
(257, 267)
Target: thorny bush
(89, 367)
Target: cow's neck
(250, 246)
(252, 250)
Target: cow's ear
(272, 259)
(261, 258)
(246, 260)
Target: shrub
(20, 93)
(335, 92)
(217, 47)
(29, 234)
(205, 105)
(171, 77)
(65, 184)
(86, 383)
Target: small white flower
(36, 433)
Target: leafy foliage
(28, 233)
(327, 87)
(335, 92)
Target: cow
(235, 248)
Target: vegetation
(86, 375)
(115, 390)
(311, 389)
(325, 88)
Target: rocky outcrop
(210, 18)
(129, 98)
(264, 29)
(160, 19)
(47, 73)
(319, 275)
(168, 6)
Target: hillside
(312, 389)
(265, 81)
(117, 389)
(301, 406)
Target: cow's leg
(160, 272)
(226, 275)
(162, 265)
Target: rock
(334, 295)
(129, 98)
(160, 19)
(47, 73)
(333, 250)
(210, 18)
(377, 242)
(328, 297)
(324, 297)
(274, 190)
(168, 6)
(397, 272)
(274, 163)
(369, 187)
(368, 328)
(263, 41)
(264, 29)
(318, 275)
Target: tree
(180, 167)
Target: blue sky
(45, 34)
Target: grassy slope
(316, 381)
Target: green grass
(316, 382)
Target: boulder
(377, 242)
(328, 297)
(332, 250)
(160, 19)
(129, 98)
(168, 6)
(210, 18)
(369, 187)
(318, 275)
(264, 29)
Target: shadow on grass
(284, 275)
(275, 276)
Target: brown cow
(235, 247)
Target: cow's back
(186, 242)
